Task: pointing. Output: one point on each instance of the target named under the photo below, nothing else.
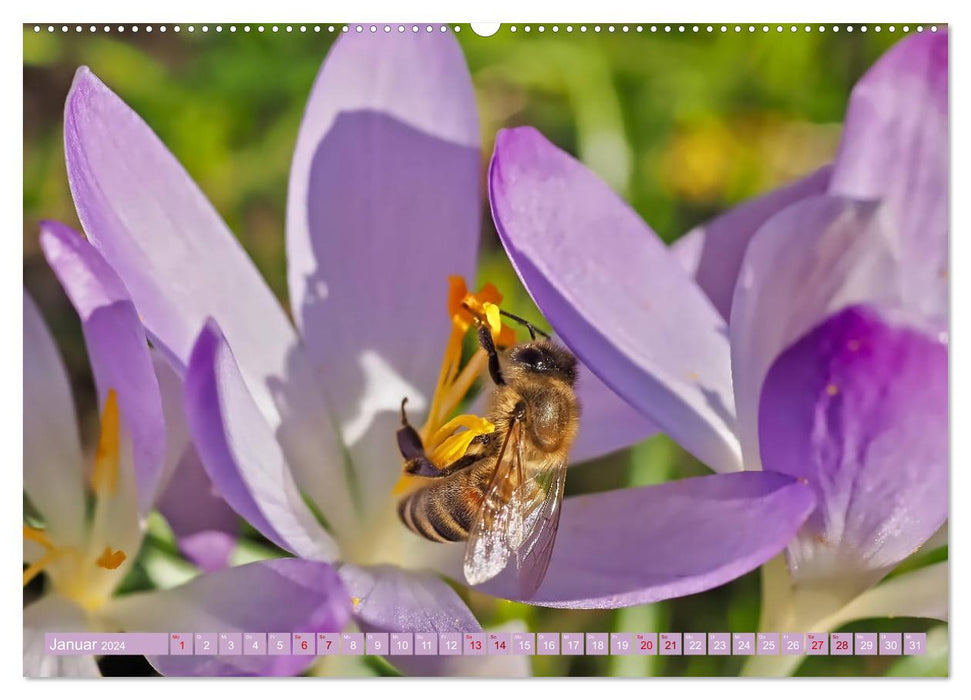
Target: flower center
(86, 573)
(446, 439)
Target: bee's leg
(412, 449)
(485, 340)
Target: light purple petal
(895, 149)
(241, 455)
(205, 525)
(712, 253)
(278, 595)
(384, 204)
(53, 465)
(641, 545)
(389, 599)
(608, 423)
(117, 348)
(182, 265)
(614, 293)
(858, 408)
(814, 258)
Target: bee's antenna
(533, 330)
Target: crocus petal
(895, 149)
(182, 265)
(614, 293)
(636, 546)
(858, 409)
(278, 595)
(117, 348)
(814, 258)
(918, 593)
(52, 613)
(240, 453)
(384, 203)
(389, 599)
(53, 466)
(712, 253)
(205, 525)
(177, 436)
(608, 422)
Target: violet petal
(858, 409)
(615, 294)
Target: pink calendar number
(523, 643)
(915, 643)
(450, 644)
(645, 644)
(180, 644)
(694, 643)
(205, 644)
(305, 643)
(793, 644)
(548, 643)
(865, 643)
(474, 644)
(621, 644)
(426, 644)
(719, 644)
(500, 644)
(841, 644)
(230, 644)
(817, 644)
(669, 643)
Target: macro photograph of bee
(503, 495)
(358, 350)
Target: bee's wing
(540, 500)
(490, 544)
(518, 518)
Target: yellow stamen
(31, 572)
(447, 440)
(446, 445)
(111, 560)
(38, 536)
(104, 477)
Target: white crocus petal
(53, 613)
(814, 258)
(918, 593)
(53, 465)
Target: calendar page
(485, 350)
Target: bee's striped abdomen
(443, 511)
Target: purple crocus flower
(85, 559)
(810, 341)
(384, 205)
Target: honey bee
(503, 495)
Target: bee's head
(545, 357)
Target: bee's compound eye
(533, 358)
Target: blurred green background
(683, 125)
